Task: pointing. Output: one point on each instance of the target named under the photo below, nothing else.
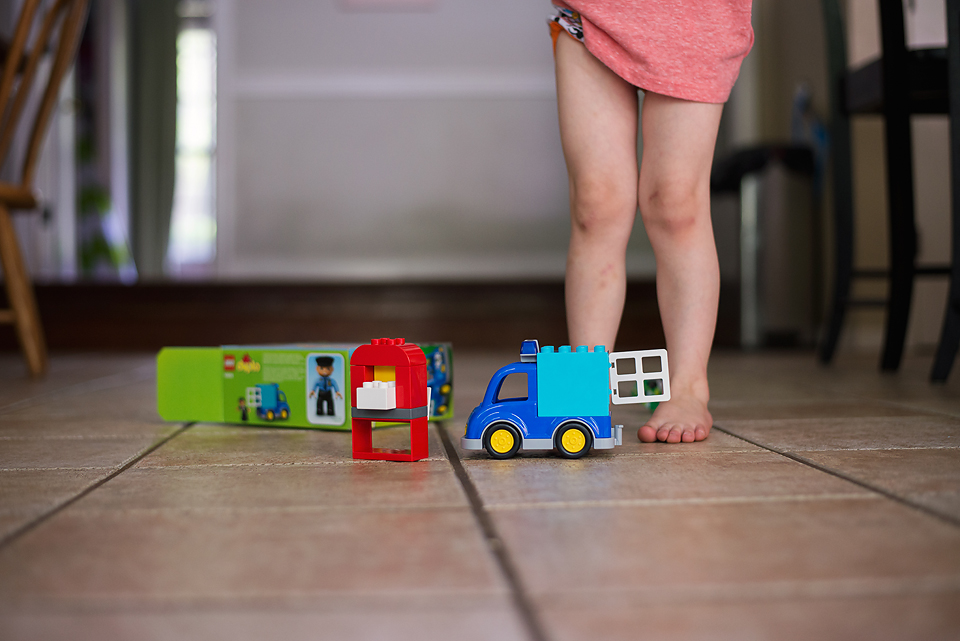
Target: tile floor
(824, 505)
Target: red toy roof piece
(388, 352)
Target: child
(685, 55)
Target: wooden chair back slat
(17, 99)
(70, 39)
(14, 55)
(70, 15)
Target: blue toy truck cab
(567, 401)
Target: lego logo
(229, 363)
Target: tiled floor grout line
(20, 531)
(850, 479)
(521, 600)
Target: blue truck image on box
(269, 401)
(567, 401)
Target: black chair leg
(950, 334)
(903, 233)
(842, 277)
(841, 168)
(949, 341)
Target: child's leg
(678, 142)
(598, 128)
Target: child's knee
(673, 208)
(600, 206)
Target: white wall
(380, 145)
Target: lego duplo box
(302, 385)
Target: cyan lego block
(573, 383)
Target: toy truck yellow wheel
(270, 415)
(573, 440)
(284, 413)
(501, 440)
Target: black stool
(898, 85)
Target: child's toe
(647, 434)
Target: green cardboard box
(301, 385)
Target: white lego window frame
(638, 377)
(254, 397)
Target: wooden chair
(902, 83)
(56, 32)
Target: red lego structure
(389, 383)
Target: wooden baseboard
(471, 315)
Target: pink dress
(690, 49)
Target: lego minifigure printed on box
(300, 385)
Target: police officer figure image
(326, 387)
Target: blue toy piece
(438, 380)
(567, 402)
(272, 403)
(573, 383)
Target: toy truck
(567, 401)
(269, 401)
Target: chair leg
(949, 338)
(950, 335)
(843, 235)
(842, 276)
(903, 235)
(22, 301)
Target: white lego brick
(377, 395)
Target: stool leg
(22, 301)
(949, 338)
(903, 235)
(843, 235)
(950, 335)
(843, 269)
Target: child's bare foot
(684, 418)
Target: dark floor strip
(948, 518)
(522, 602)
(20, 531)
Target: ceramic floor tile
(850, 433)
(727, 545)
(40, 488)
(65, 371)
(823, 410)
(632, 447)
(128, 396)
(234, 532)
(93, 452)
(944, 502)
(208, 444)
(930, 477)
(350, 484)
(649, 480)
(14, 427)
(716, 441)
(749, 389)
(477, 618)
(182, 556)
(13, 520)
(879, 618)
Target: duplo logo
(247, 365)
